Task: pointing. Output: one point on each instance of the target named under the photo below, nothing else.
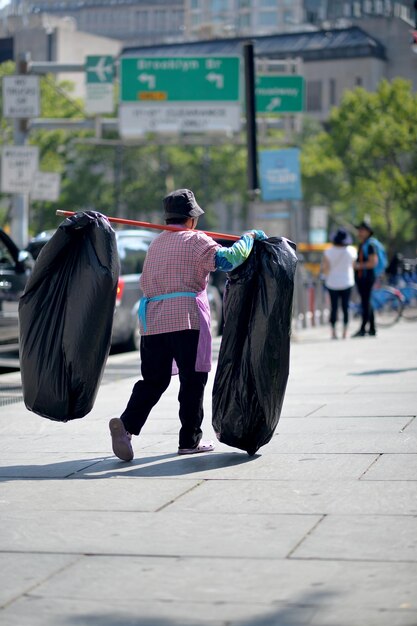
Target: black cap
(365, 224)
(342, 238)
(181, 203)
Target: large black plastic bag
(253, 363)
(65, 318)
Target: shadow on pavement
(171, 465)
(108, 467)
(386, 371)
(294, 614)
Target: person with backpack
(370, 264)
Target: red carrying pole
(119, 220)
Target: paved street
(319, 529)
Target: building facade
(143, 22)
(149, 22)
(224, 18)
(319, 11)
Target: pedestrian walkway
(319, 529)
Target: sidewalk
(319, 529)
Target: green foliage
(365, 164)
(56, 102)
(6, 128)
(130, 181)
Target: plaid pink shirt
(176, 261)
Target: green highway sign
(180, 79)
(99, 69)
(279, 94)
(99, 73)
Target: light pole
(19, 223)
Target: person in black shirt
(365, 278)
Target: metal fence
(311, 300)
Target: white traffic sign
(46, 186)
(99, 73)
(171, 117)
(21, 96)
(319, 216)
(19, 165)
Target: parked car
(132, 245)
(36, 244)
(15, 268)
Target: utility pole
(19, 223)
(252, 163)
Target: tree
(56, 102)
(365, 163)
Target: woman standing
(339, 277)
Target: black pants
(344, 296)
(365, 288)
(157, 353)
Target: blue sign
(280, 174)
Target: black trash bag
(66, 316)
(253, 363)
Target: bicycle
(387, 304)
(409, 293)
(406, 283)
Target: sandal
(203, 446)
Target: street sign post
(19, 165)
(181, 94)
(99, 73)
(21, 96)
(279, 94)
(46, 186)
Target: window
(244, 20)
(347, 10)
(267, 18)
(358, 81)
(332, 92)
(243, 4)
(132, 252)
(268, 3)
(217, 6)
(288, 17)
(6, 259)
(195, 4)
(314, 95)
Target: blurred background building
(339, 44)
(146, 22)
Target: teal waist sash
(166, 296)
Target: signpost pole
(248, 55)
(19, 223)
